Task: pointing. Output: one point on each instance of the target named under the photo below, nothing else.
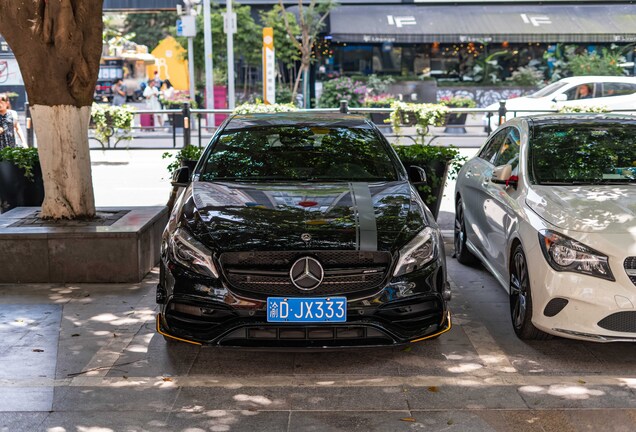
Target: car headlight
(566, 254)
(418, 252)
(191, 253)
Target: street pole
(191, 66)
(231, 28)
(209, 71)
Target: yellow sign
(269, 66)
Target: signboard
(188, 26)
(179, 27)
(269, 66)
(229, 24)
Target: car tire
(521, 299)
(462, 253)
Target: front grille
(620, 322)
(267, 273)
(630, 268)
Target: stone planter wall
(484, 96)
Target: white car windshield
(546, 91)
(583, 153)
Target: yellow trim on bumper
(173, 337)
(450, 325)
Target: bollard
(502, 112)
(186, 124)
(29, 125)
(344, 107)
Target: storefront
(447, 41)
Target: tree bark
(68, 184)
(58, 44)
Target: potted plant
(21, 182)
(188, 157)
(112, 122)
(260, 107)
(176, 103)
(383, 100)
(438, 162)
(455, 122)
(421, 115)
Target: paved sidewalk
(87, 358)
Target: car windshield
(546, 91)
(583, 153)
(300, 153)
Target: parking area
(87, 358)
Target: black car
(301, 230)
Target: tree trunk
(68, 184)
(58, 45)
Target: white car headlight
(418, 252)
(566, 254)
(191, 253)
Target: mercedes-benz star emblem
(306, 273)
(305, 237)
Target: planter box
(16, 190)
(455, 123)
(379, 118)
(120, 250)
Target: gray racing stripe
(366, 228)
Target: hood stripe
(366, 227)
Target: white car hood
(525, 103)
(607, 208)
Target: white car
(549, 207)
(611, 92)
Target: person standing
(9, 124)
(119, 92)
(151, 93)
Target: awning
(493, 23)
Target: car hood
(607, 208)
(232, 216)
(524, 102)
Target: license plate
(307, 310)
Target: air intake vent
(620, 322)
(554, 306)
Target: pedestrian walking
(9, 124)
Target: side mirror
(417, 175)
(562, 97)
(503, 175)
(181, 177)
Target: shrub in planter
(112, 122)
(421, 115)
(338, 89)
(187, 156)
(260, 107)
(439, 163)
(458, 119)
(379, 101)
(21, 182)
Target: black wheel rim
(460, 234)
(519, 290)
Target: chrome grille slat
(345, 272)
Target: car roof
(304, 119)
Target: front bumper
(582, 307)
(201, 311)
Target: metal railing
(182, 129)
